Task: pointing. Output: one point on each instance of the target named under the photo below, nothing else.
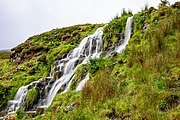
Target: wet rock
(120, 62)
(112, 66)
(52, 81)
(62, 56)
(114, 54)
(112, 115)
(117, 73)
(75, 34)
(65, 37)
(120, 37)
(41, 84)
(151, 9)
(15, 57)
(146, 25)
(70, 108)
(59, 74)
(33, 71)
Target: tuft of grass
(31, 98)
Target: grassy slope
(37, 54)
(143, 84)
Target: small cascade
(89, 48)
(62, 70)
(128, 33)
(20, 96)
(82, 83)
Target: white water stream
(63, 70)
(128, 32)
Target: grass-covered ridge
(141, 83)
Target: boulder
(70, 108)
(112, 66)
(120, 62)
(120, 36)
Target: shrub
(101, 87)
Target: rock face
(15, 57)
(120, 37)
(146, 25)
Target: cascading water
(63, 70)
(89, 48)
(82, 83)
(128, 32)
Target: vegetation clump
(31, 98)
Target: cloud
(20, 19)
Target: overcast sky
(20, 19)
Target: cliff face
(141, 83)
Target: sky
(20, 19)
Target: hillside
(142, 82)
(32, 59)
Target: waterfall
(20, 96)
(128, 32)
(62, 70)
(89, 47)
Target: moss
(31, 98)
(19, 113)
